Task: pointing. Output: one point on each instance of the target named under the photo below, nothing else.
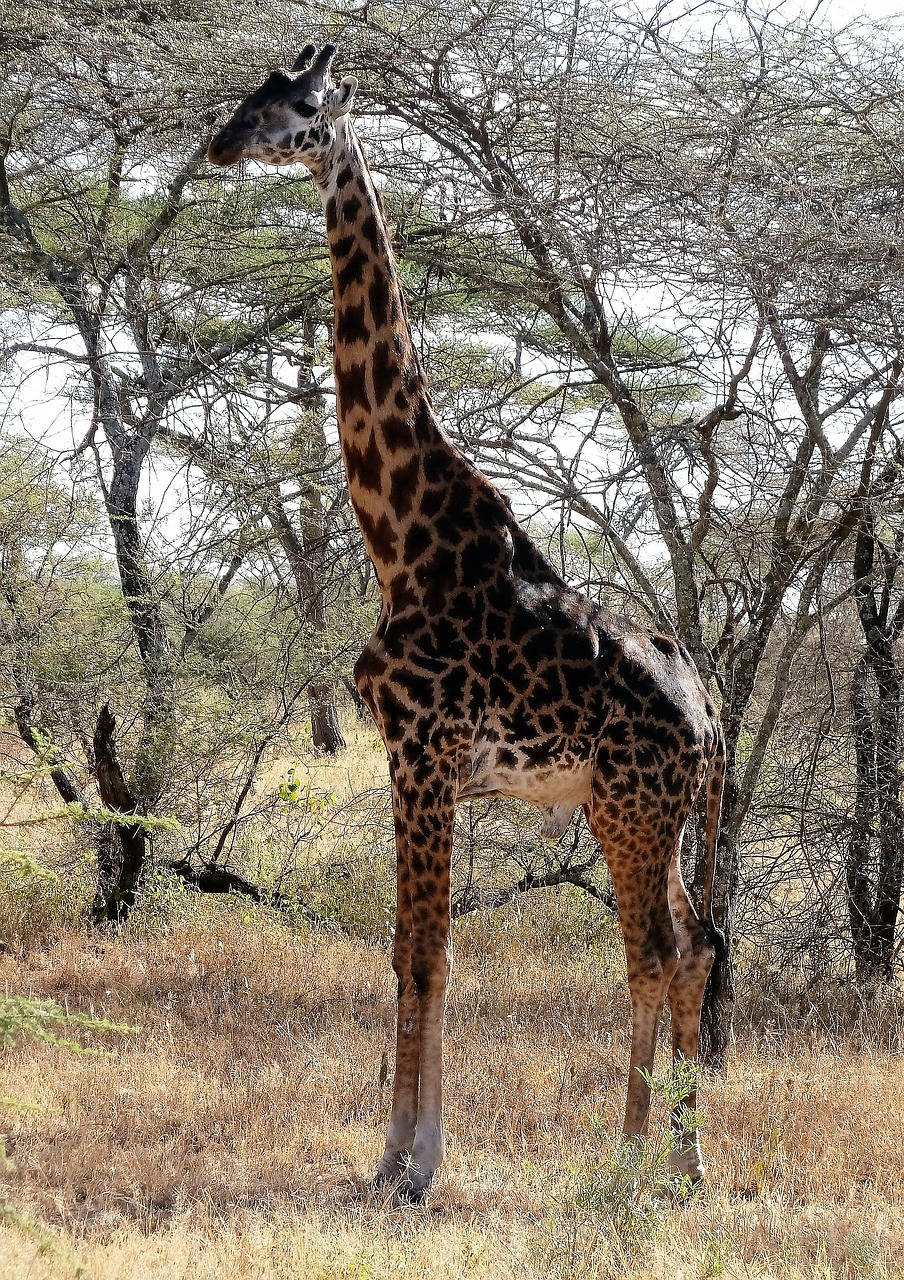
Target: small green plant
(295, 792)
(767, 1168)
(165, 901)
(22, 1016)
(716, 1252)
(44, 1019)
(864, 1255)
(613, 1208)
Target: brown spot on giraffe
(364, 467)
(403, 487)
(351, 388)
(353, 324)
(379, 301)
(385, 372)
(486, 673)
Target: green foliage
(865, 1256)
(614, 1208)
(717, 1250)
(166, 902)
(295, 792)
(35, 902)
(358, 895)
(24, 865)
(25, 1016)
(767, 1167)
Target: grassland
(234, 1135)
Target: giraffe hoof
(402, 1180)
(392, 1170)
(414, 1190)
(393, 1163)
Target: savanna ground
(234, 1134)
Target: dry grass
(361, 766)
(234, 1136)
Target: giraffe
(486, 673)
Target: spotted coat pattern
(486, 672)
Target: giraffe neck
(386, 423)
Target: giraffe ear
(341, 97)
(304, 58)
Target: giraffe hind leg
(686, 1002)
(639, 870)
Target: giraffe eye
(304, 108)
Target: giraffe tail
(715, 784)
(718, 994)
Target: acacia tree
(154, 297)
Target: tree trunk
(358, 702)
(305, 556)
(122, 852)
(717, 1017)
(325, 731)
(874, 865)
(890, 878)
(860, 906)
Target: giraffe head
(290, 118)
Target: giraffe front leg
(396, 1159)
(431, 966)
(393, 1166)
(425, 801)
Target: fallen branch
(489, 899)
(211, 878)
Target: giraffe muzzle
(224, 149)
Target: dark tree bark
(214, 879)
(473, 899)
(874, 864)
(357, 701)
(129, 440)
(325, 731)
(304, 555)
(122, 854)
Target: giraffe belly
(557, 788)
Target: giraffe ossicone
(486, 673)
